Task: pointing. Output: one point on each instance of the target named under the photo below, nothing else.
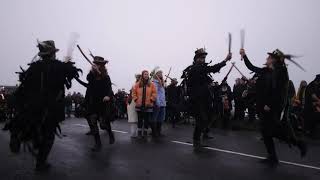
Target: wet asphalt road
(230, 155)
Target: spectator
(144, 95)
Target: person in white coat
(132, 113)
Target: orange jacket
(151, 95)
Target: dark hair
(103, 72)
(141, 81)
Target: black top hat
(47, 48)
(200, 53)
(99, 60)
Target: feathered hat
(280, 56)
(99, 60)
(200, 53)
(154, 71)
(137, 76)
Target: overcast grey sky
(141, 34)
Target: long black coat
(97, 89)
(238, 91)
(173, 95)
(199, 81)
(263, 85)
(39, 101)
(312, 88)
(272, 90)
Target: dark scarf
(144, 92)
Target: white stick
(242, 38)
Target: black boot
(140, 134)
(44, 149)
(98, 145)
(15, 143)
(111, 137)
(89, 133)
(90, 126)
(6, 127)
(42, 166)
(270, 160)
(197, 146)
(302, 147)
(158, 129)
(206, 136)
(154, 130)
(145, 133)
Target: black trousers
(2, 115)
(45, 143)
(87, 117)
(173, 114)
(271, 127)
(239, 110)
(202, 114)
(226, 119)
(144, 120)
(251, 112)
(311, 122)
(45, 148)
(104, 122)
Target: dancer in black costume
(198, 80)
(39, 103)
(272, 92)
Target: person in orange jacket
(144, 95)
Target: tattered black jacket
(271, 86)
(97, 89)
(199, 80)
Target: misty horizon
(142, 34)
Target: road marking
(249, 155)
(225, 151)
(82, 125)
(123, 132)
